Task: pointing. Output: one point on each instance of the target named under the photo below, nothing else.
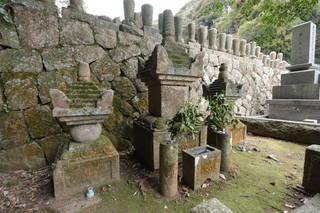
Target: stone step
(297, 91)
(301, 77)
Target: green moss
(250, 191)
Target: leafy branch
(185, 121)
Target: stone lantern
(89, 159)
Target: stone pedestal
(311, 175)
(147, 139)
(83, 165)
(200, 164)
(298, 97)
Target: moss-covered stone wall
(40, 51)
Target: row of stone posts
(172, 26)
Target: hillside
(233, 20)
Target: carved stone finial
(223, 71)
(203, 35)
(168, 25)
(160, 22)
(192, 32)
(128, 6)
(213, 38)
(77, 4)
(84, 72)
(147, 15)
(178, 24)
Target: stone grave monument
(232, 92)
(90, 159)
(298, 97)
(168, 74)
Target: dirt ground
(266, 177)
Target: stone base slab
(294, 110)
(82, 165)
(311, 174)
(297, 91)
(300, 132)
(147, 143)
(301, 77)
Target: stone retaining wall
(40, 51)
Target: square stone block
(311, 174)
(200, 164)
(147, 143)
(239, 133)
(82, 165)
(165, 100)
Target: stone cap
(160, 69)
(314, 147)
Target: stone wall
(41, 50)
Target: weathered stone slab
(303, 46)
(297, 91)
(131, 29)
(93, 20)
(124, 87)
(301, 77)
(54, 80)
(74, 32)
(311, 174)
(58, 58)
(20, 91)
(122, 53)
(211, 206)
(36, 28)
(128, 39)
(105, 69)
(83, 165)
(21, 60)
(29, 156)
(51, 144)
(130, 68)
(88, 54)
(199, 164)
(9, 36)
(13, 130)
(311, 205)
(106, 38)
(41, 123)
(294, 110)
(301, 132)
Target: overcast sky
(114, 8)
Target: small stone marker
(303, 46)
(168, 25)
(213, 38)
(211, 206)
(202, 35)
(160, 22)
(311, 174)
(229, 44)
(243, 46)
(128, 6)
(222, 42)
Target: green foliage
(185, 121)
(268, 22)
(4, 13)
(220, 113)
(5, 108)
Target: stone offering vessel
(90, 159)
